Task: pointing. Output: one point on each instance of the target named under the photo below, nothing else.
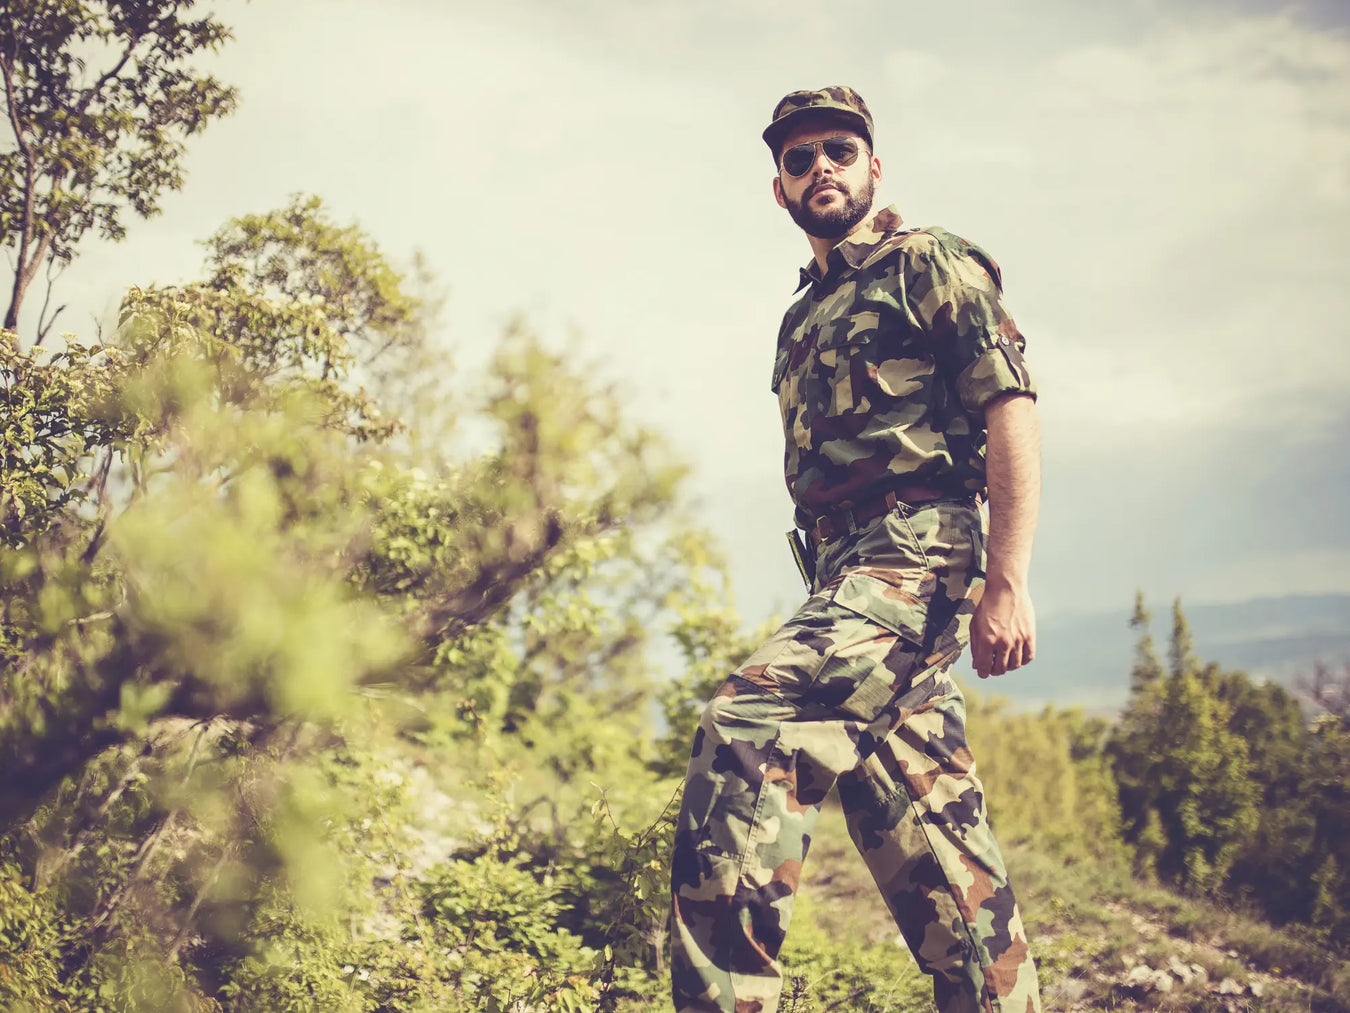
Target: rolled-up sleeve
(954, 293)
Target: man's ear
(778, 193)
(876, 169)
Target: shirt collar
(854, 249)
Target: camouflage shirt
(885, 364)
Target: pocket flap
(860, 328)
(895, 599)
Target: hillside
(1102, 941)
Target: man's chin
(823, 231)
(833, 226)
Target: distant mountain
(1084, 660)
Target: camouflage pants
(855, 689)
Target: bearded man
(906, 404)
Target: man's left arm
(1003, 629)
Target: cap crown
(837, 99)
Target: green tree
(224, 566)
(1147, 670)
(1133, 746)
(1205, 796)
(223, 408)
(1187, 797)
(98, 97)
(1271, 868)
(1181, 647)
(1069, 808)
(1326, 790)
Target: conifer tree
(1147, 670)
(1180, 653)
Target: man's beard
(833, 222)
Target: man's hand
(1003, 630)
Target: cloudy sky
(1165, 185)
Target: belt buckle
(826, 527)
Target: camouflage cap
(838, 99)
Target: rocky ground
(1101, 946)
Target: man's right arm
(1003, 630)
(955, 294)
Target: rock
(1073, 989)
(1138, 974)
(1229, 987)
(1179, 969)
(1146, 979)
(1257, 988)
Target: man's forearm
(1013, 475)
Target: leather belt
(850, 519)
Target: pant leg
(808, 706)
(915, 810)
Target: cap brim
(775, 132)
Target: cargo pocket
(841, 374)
(879, 640)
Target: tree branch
(45, 324)
(89, 95)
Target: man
(905, 401)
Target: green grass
(1089, 924)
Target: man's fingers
(989, 656)
(999, 658)
(1019, 653)
(979, 657)
(979, 644)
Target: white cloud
(1175, 213)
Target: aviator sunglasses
(842, 151)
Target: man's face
(827, 200)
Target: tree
(223, 567)
(1187, 799)
(232, 391)
(98, 97)
(1204, 793)
(1147, 669)
(1180, 649)
(1326, 794)
(1271, 868)
(1132, 747)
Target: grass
(1090, 923)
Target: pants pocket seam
(752, 833)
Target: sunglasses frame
(817, 147)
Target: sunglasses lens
(841, 150)
(798, 158)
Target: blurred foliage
(1047, 779)
(222, 569)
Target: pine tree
(1147, 669)
(1181, 650)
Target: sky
(1166, 187)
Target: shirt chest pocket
(841, 372)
